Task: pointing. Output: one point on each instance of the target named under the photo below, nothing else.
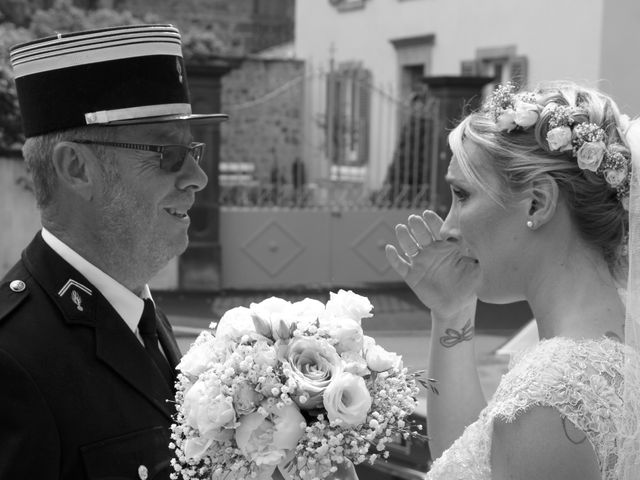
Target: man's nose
(191, 176)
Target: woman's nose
(450, 230)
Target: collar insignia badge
(72, 283)
(75, 295)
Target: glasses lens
(197, 151)
(173, 156)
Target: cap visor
(194, 117)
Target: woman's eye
(461, 195)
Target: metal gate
(321, 213)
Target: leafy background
(21, 22)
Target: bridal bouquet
(295, 386)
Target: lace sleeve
(581, 380)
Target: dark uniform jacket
(79, 396)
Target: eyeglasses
(172, 157)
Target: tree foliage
(199, 45)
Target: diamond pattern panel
(369, 246)
(273, 248)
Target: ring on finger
(414, 253)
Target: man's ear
(74, 165)
(543, 201)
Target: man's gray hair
(38, 152)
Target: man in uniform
(86, 365)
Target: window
(414, 62)
(343, 5)
(347, 115)
(500, 63)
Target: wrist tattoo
(573, 439)
(452, 337)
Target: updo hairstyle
(520, 157)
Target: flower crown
(567, 131)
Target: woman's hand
(441, 277)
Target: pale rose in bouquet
(291, 386)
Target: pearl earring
(530, 224)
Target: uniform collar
(126, 303)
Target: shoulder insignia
(75, 288)
(73, 283)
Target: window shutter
(469, 68)
(332, 116)
(364, 120)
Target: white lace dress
(580, 379)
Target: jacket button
(17, 286)
(143, 472)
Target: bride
(540, 212)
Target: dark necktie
(149, 334)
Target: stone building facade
(264, 99)
(246, 26)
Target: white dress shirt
(128, 305)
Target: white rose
(348, 304)
(379, 360)
(507, 120)
(526, 114)
(208, 410)
(306, 312)
(311, 363)
(197, 358)
(235, 323)
(354, 363)
(615, 176)
(347, 399)
(272, 318)
(590, 155)
(559, 138)
(264, 354)
(266, 440)
(245, 398)
(346, 333)
(625, 122)
(196, 447)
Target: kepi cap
(112, 76)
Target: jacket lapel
(82, 304)
(119, 348)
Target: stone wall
(244, 25)
(264, 99)
(19, 216)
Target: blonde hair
(521, 157)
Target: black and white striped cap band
(121, 75)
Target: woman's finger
(420, 231)
(399, 264)
(434, 223)
(407, 243)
